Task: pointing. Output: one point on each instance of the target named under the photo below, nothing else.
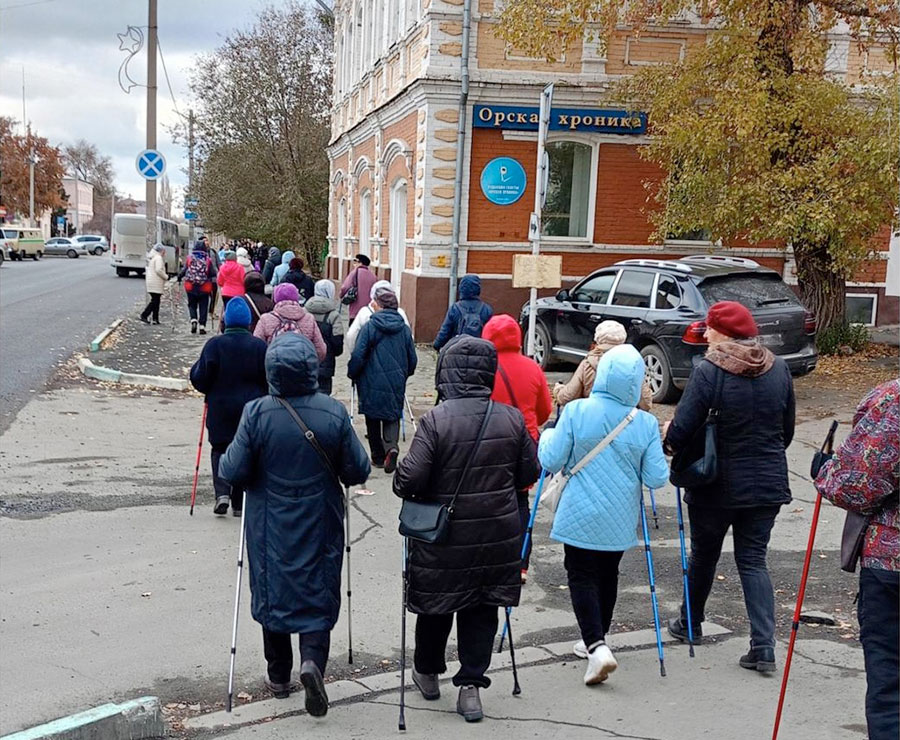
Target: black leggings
(152, 307)
(593, 586)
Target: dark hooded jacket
(230, 372)
(306, 286)
(755, 427)
(468, 312)
(273, 260)
(256, 298)
(481, 559)
(383, 358)
(294, 507)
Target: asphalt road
(48, 309)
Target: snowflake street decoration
(131, 42)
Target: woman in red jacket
(519, 382)
(231, 277)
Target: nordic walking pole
(684, 572)
(826, 450)
(659, 647)
(352, 394)
(401, 724)
(512, 657)
(412, 416)
(199, 452)
(653, 508)
(403, 424)
(237, 606)
(525, 543)
(349, 591)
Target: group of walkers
(478, 454)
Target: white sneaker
(580, 649)
(600, 664)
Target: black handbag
(698, 463)
(429, 521)
(353, 291)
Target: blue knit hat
(237, 313)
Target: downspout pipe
(460, 149)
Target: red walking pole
(199, 452)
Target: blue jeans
(879, 621)
(751, 529)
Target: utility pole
(77, 218)
(112, 215)
(150, 195)
(190, 177)
(31, 162)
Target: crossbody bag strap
(716, 407)
(253, 307)
(310, 437)
(462, 477)
(604, 443)
(508, 385)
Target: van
(28, 242)
(129, 244)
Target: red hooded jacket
(529, 386)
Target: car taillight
(694, 334)
(810, 323)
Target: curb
(109, 375)
(137, 719)
(98, 341)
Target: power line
(168, 83)
(26, 5)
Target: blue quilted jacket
(599, 508)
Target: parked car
(662, 305)
(24, 240)
(8, 248)
(94, 243)
(64, 245)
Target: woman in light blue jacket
(282, 269)
(598, 512)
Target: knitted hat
(286, 292)
(609, 332)
(379, 285)
(732, 319)
(363, 260)
(237, 313)
(241, 252)
(230, 255)
(386, 299)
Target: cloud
(71, 57)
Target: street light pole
(191, 177)
(31, 162)
(150, 193)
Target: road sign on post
(151, 164)
(540, 195)
(190, 216)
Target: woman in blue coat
(383, 358)
(598, 513)
(294, 513)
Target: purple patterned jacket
(863, 476)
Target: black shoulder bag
(353, 291)
(311, 438)
(698, 463)
(429, 521)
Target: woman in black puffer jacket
(476, 570)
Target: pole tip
(662, 669)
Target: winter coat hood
(744, 357)
(253, 283)
(274, 255)
(466, 369)
(321, 306)
(287, 257)
(289, 310)
(504, 333)
(620, 375)
(292, 367)
(469, 287)
(388, 321)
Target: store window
(861, 308)
(633, 289)
(565, 212)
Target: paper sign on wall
(542, 271)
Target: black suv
(662, 305)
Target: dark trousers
(593, 585)
(524, 516)
(879, 622)
(152, 307)
(198, 307)
(750, 529)
(314, 646)
(325, 384)
(222, 487)
(383, 436)
(476, 628)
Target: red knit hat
(732, 319)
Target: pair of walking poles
(412, 417)
(650, 571)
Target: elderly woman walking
(155, 277)
(231, 277)
(289, 316)
(753, 393)
(327, 312)
(598, 512)
(475, 571)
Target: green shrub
(842, 339)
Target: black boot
(759, 659)
(678, 630)
(316, 698)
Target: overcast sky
(71, 58)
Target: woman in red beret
(754, 393)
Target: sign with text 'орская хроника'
(585, 120)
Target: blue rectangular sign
(584, 120)
(190, 216)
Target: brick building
(393, 156)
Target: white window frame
(588, 238)
(365, 223)
(342, 228)
(874, 313)
(397, 243)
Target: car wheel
(72, 254)
(98, 252)
(658, 374)
(542, 352)
(36, 256)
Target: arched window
(342, 228)
(397, 243)
(365, 223)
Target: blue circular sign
(503, 181)
(150, 164)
